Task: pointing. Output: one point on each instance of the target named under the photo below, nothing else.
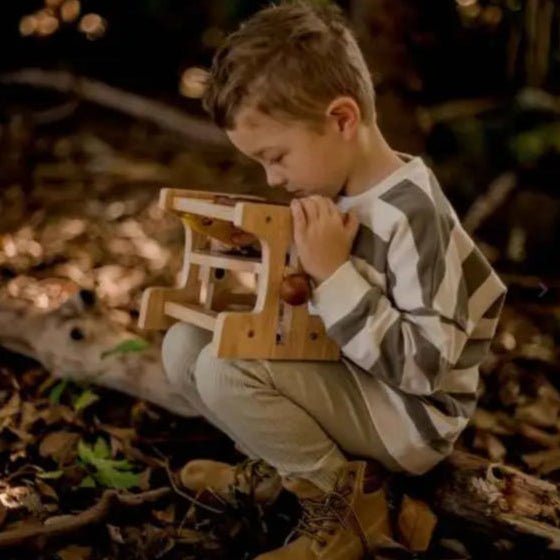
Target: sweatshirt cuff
(336, 296)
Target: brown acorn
(295, 289)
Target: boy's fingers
(324, 205)
(327, 208)
(311, 208)
(333, 211)
(298, 216)
(332, 207)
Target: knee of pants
(180, 349)
(224, 384)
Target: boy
(398, 283)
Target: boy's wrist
(317, 280)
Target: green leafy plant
(127, 347)
(85, 399)
(105, 471)
(56, 392)
(80, 396)
(50, 475)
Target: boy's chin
(303, 193)
(299, 194)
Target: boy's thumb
(351, 224)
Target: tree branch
(195, 129)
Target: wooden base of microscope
(265, 327)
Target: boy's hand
(322, 234)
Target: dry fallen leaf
(74, 552)
(29, 415)
(11, 408)
(541, 437)
(542, 413)
(60, 446)
(46, 489)
(115, 533)
(21, 497)
(53, 414)
(144, 479)
(490, 444)
(166, 515)
(498, 423)
(416, 524)
(544, 462)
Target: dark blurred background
(471, 85)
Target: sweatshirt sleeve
(437, 313)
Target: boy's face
(294, 157)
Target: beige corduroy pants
(305, 418)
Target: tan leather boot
(344, 524)
(253, 477)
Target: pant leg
(303, 418)
(180, 350)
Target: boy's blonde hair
(289, 60)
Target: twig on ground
(179, 492)
(70, 523)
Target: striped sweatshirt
(414, 308)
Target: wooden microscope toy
(274, 321)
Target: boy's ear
(345, 114)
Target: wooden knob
(295, 289)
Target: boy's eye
(277, 159)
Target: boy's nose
(274, 180)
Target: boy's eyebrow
(258, 154)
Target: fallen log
(195, 129)
(496, 499)
(73, 340)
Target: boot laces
(327, 514)
(249, 474)
(323, 516)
